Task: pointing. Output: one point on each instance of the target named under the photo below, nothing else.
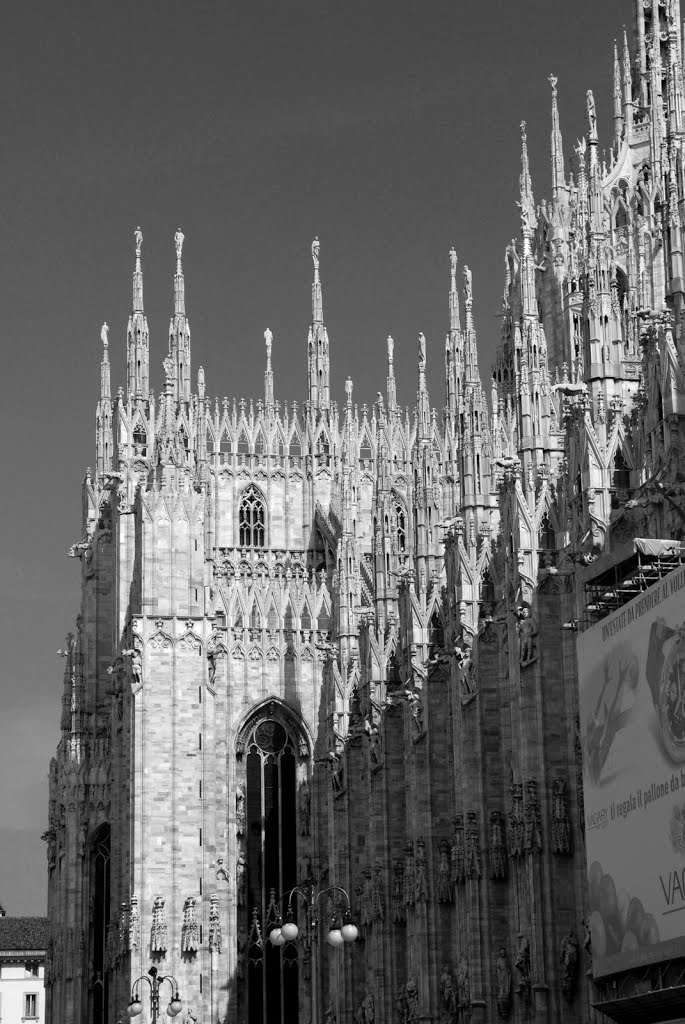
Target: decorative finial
(468, 285)
(201, 382)
(268, 338)
(104, 331)
(178, 242)
(422, 348)
(553, 82)
(315, 253)
(391, 348)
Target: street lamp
(135, 1007)
(341, 931)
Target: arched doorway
(273, 766)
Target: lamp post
(135, 1007)
(341, 931)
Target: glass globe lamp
(335, 938)
(276, 937)
(349, 931)
(134, 1008)
(174, 1007)
(290, 931)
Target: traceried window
(99, 924)
(401, 527)
(276, 810)
(252, 520)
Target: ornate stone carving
(503, 972)
(443, 887)
(472, 863)
(158, 933)
(527, 630)
(214, 924)
(457, 853)
(522, 964)
(464, 986)
(516, 829)
(561, 826)
(134, 925)
(449, 998)
(239, 810)
(408, 1002)
(366, 1012)
(568, 957)
(304, 801)
(533, 824)
(399, 914)
(409, 879)
(497, 852)
(241, 879)
(190, 930)
(421, 873)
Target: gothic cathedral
(333, 647)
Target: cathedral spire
(627, 87)
(179, 330)
(528, 226)
(392, 390)
(422, 400)
(318, 362)
(557, 144)
(268, 374)
(137, 336)
(618, 100)
(105, 386)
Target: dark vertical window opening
(271, 855)
(100, 890)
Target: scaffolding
(611, 589)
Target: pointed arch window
(401, 528)
(99, 924)
(140, 439)
(621, 471)
(252, 520)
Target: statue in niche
(330, 1016)
(304, 801)
(498, 855)
(241, 879)
(522, 964)
(398, 912)
(568, 955)
(421, 873)
(239, 810)
(136, 665)
(527, 630)
(448, 996)
(444, 882)
(503, 984)
(366, 1013)
(463, 985)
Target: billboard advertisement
(631, 670)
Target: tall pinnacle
(454, 295)
(268, 373)
(179, 284)
(318, 363)
(392, 391)
(557, 145)
(105, 387)
(138, 274)
(527, 200)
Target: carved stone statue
(468, 284)
(104, 331)
(412, 993)
(178, 242)
(568, 956)
(527, 631)
(463, 984)
(315, 253)
(190, 1017)
(158, 934)
(366, 1014)
(453, 261)
(448, 996)
(503, 984)
(421, 873)
(498, 856)
(422, 347)
(241, 879)
(138, 235)
(214, 924)
(591, 114)
(561, 826)
(409, 880)
(268, 338)
(444, 881)
(329, 1016)
(522, 964)
(391, 348)
(239, 810)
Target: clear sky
(390, 130)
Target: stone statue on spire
(138, 235)
(391, 348)
(178, 242)
(422, 348)
(348, 389)
(104, 331)
(591, 115)
(468, 284)
(315, 253)
(268, 338)
(553, 82)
